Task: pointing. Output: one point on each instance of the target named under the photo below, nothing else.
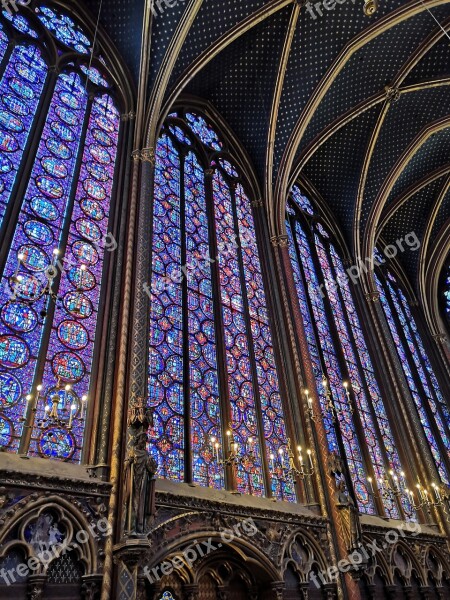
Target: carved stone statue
(140, 469)
(353, 523)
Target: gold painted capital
(128, 116)
(440, 338)
(146, 155)
(372, 296)
(280, 240)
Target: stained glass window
(447, 295)
(51, 278)
(432, 409)
(354, 415)
(212, 368)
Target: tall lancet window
(354, 416)
(432, 409)
(212, 368)
(59, 130)
(446, 295)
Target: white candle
(369, 480)
(73, 408)
(310, 458)
(217, 451)
(84, 405)
(271, 462)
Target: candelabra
(330, 407)
(393, 486)
(233, 457)
(51, 273)
(57, 414)
(285, 468)
(426, 500)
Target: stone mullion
(325, 480)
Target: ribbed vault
(357, 105)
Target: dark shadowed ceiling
(359, 105)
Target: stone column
(392, 591)
(222, 593)
(91, 588)
(277, 588)
(35, 588)
(302, 362)
(190, 591)
(426, 593)
(329, 591)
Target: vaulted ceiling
(358, 106)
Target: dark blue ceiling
(240, 83)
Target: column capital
(440, 337)
(130, 116)
(190, 591)
(280, 240)
(277, 588)
(372, 296)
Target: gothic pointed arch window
(59, 135)
(432, 409)
(354, 416)
(446, 294)
(212, 368)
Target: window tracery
(357, 426)
(52, 273)
(212, 365)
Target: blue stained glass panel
(268, 384)
(206, 133)
(373, 443)
(64, 29)
(166, 319)
(241, 385)
(17, 116)
(333, 372)
(204, 388)
(71, 346)
(27, 260)
(405, 360)
(387, 438)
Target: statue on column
(140, 470)
(353, 524)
